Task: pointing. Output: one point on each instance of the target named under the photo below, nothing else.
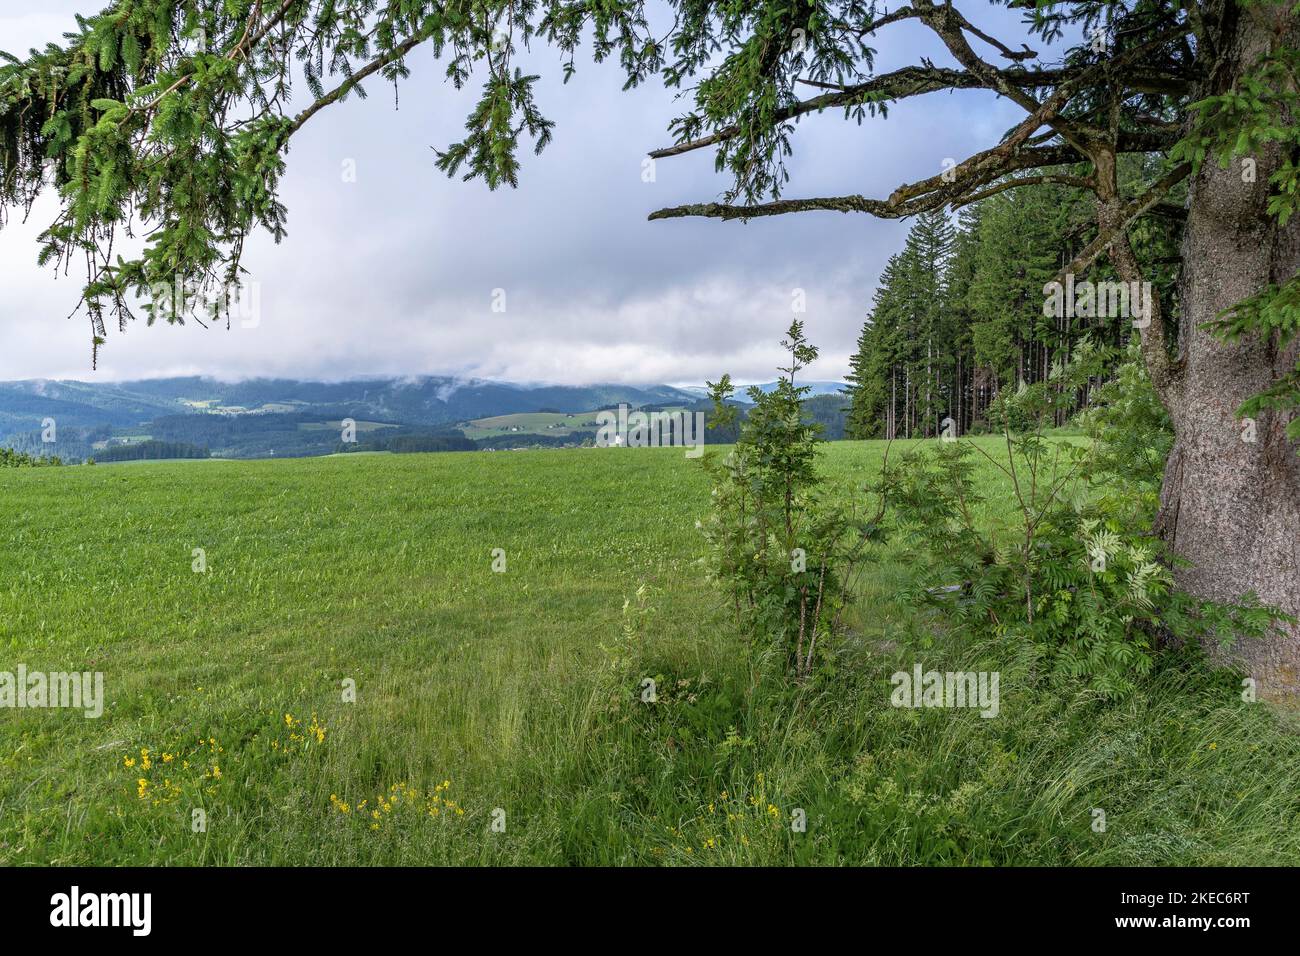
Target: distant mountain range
(427, 400)
(227, 415)
(181, 417)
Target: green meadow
(346, 679)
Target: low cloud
(396, 272)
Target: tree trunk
(1231, 498)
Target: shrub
(780, 550)
(10, 458)
(1078, 572)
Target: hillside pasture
(349, 680)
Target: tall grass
(522, 689)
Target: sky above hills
(395, 273)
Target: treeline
(409, 441)
(962, 312)
(828, 411)
(72, 444)
(262, 435)
(534, 440)
(151, 450)
(10, 458)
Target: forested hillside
(961, 312)
(288, 419)
(259, 418)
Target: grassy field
(491, 721)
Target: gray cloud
(394, 274)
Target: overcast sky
(393, 274)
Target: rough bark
(1229, 505)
